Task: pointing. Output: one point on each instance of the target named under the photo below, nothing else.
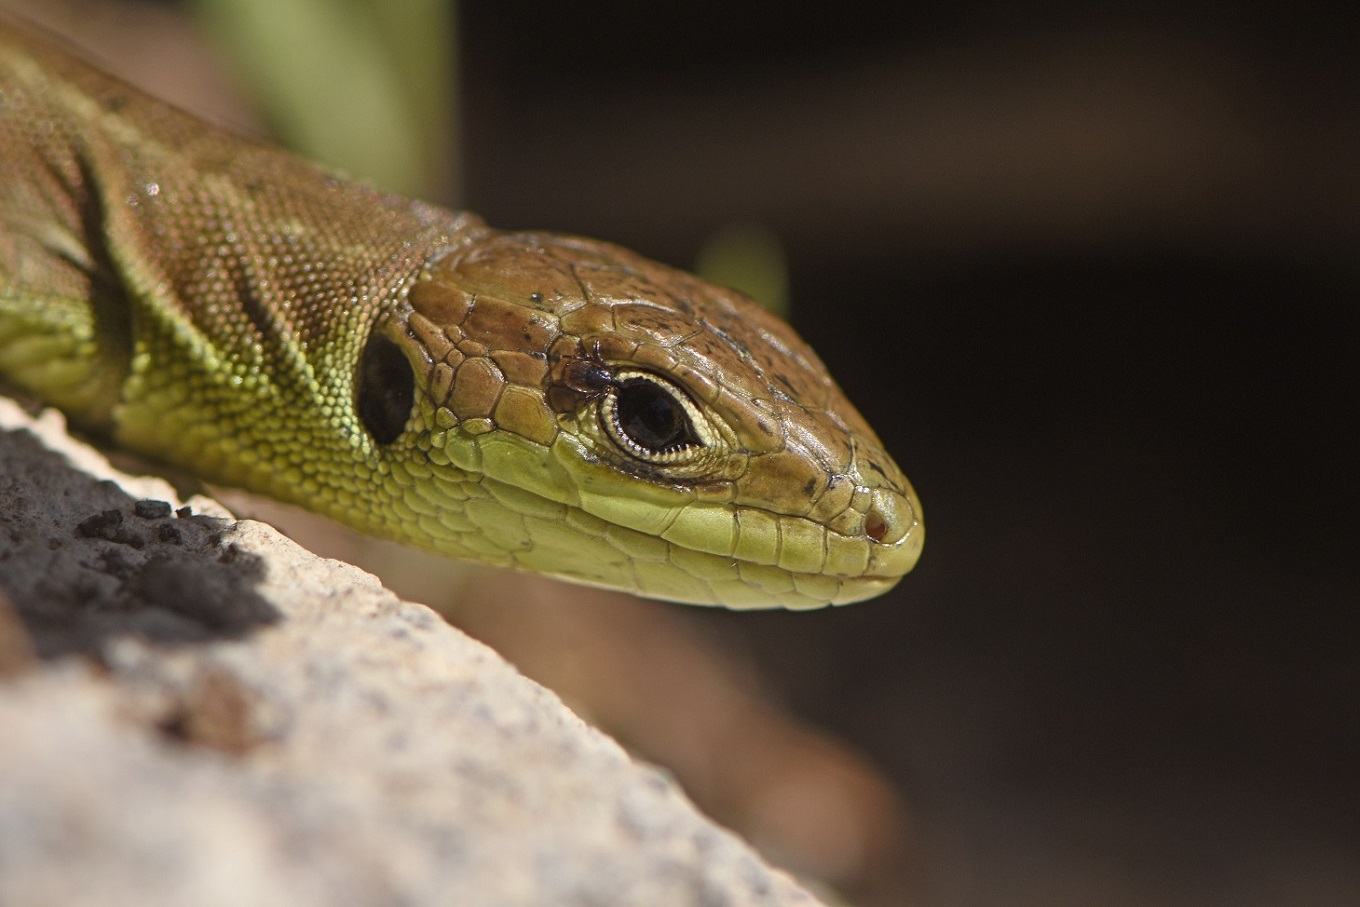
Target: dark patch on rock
(109, 526)
(152, 510)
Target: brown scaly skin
(246, 315)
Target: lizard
(536, 401)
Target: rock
(194, 710)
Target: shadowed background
(1090, 271)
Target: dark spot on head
(578, 380)
(587, 376)
(810, 487)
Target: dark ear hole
(387, 389)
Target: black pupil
(652, 418)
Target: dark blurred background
(1090, 270)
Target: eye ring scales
(653, 420)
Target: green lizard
(535, 401)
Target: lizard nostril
(890, 517)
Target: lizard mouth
(500, 499)
(581, 543)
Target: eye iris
(651, 418)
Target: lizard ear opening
(386, 389)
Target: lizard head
(581, 411)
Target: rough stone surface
(195, 710)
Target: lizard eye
(386, 389)
(652, 420)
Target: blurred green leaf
(749, 258)
(365, 86)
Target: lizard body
(530, 400)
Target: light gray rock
(218, 717)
